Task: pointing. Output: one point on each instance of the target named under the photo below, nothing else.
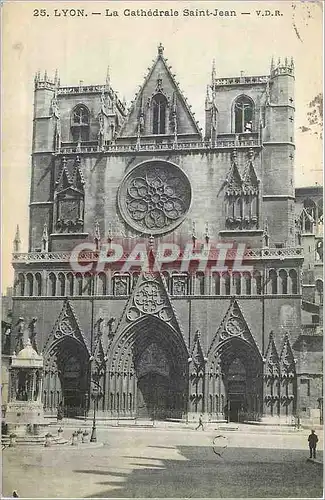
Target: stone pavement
(160, 462)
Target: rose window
(155, 197)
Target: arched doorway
(237, 389)
(156, 386)
(236, 380)
(242, 367)
(66, 377)
(149, 375)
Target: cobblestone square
(172, 462)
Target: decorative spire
(55, 105)
(266, 237)
(108, 78)
(267, 92)
(206, 233)
(45, 76)
(110, 233)
(97, 235)
(207, 97)
(272, 65)
(292, 64)
(56, 78)
(17, 240)
(174, 116)
(45, 239)
(194, 238)
(279, 61)
(234, 155)
(213, 73)
(160, 49)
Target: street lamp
(96, 393)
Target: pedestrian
(200, 423)
(312, 441)
(15, 494)
(60, 411)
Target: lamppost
(96, 393)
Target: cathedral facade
(113, 190)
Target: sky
(81, 48)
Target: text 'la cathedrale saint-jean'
(133, 13)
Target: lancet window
(243, 115)
(80, 123)
(159, 108)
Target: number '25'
(39, 12)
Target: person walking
(312, 441)
(200, 423)
(60, 412)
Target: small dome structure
(28, 352)
(27, 357)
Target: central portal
(237, 390)
(159, 386)
(153, 396)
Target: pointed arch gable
(150, 299)
(160, 70)
(234, 181)
(126, 349)
(66, 327)
(233, 327)
(287, 359)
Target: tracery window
(69, 198)
(179, 284)
(159, 107)
(216, 284)
(52, 285)
(80, 123)
(273, 281)
(70, 211)
(200, 284)
(61, 280)
(38, 282)
(102, 284)
(241, 197)
(70, 284)
(293, 281)
(284, 281)
(79, 284)
(248, 283)
(30, 282)
(237, 283)
(121, 284)
(243, 115)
